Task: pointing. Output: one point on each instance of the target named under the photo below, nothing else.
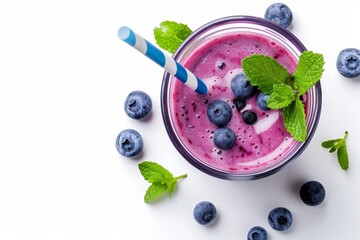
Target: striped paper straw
(166, 62)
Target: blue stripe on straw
(201, 88)
(181, 73)
(155, 54)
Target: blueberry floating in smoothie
(348, 62)
(249, 117)
(261, 101)
(224, 138)
(312, 193)
(280, 219)
(219, 112)
(257, 233)
(204, 212)
(241, 87)
(137, 104)
(221, 65)
(239, 104)
(129, 143)
(280, 14)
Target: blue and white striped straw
(166, 62)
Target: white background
(64, 76)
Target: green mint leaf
(330, 143)
(154, 191)
(170, 35)
(162, 180)
(333, 149)
(282, 96)
(308, 71)
(343, 157)
(154, 173)
(294, 120)
(339, 145)
(264, 72)
(171, 186)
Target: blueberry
(241, 86)
(279, 13)
(280, 218)
(239, 103)
(224, 138)
(221, 65)
(137, 104)
(219, 112)
(129, 143)
(249, 117)
(257, 233)
(348, 62)
(312, 193)
(261, 101)
(204, 212)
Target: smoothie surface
(216, 63)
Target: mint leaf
(330, 143)
(294, 120)
(154, 173)
(282, 96)
(308, 71)
(333, 149)
(172, 186)
(162, 180)
(263, 71)
(154, 191)
(343, 157)
(170, 35)
(339, 145)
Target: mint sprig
(285, 89)
(339, 145)
(171, 34)
(160, 178)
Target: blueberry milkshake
(230, 128)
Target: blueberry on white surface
(261, 101)
(137, 104)
(312, 193)
(249, 117)
(348, 62)
(257, 233)
(204, 212)
(129, 143)
(241, 86)
(224, 138)
(219, 112)
(280, 219)
(279, 13)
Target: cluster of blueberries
(129, 143)
(137, 105)
(312, 193)
(219, 112)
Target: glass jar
(231, 167)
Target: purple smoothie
(216, 63)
